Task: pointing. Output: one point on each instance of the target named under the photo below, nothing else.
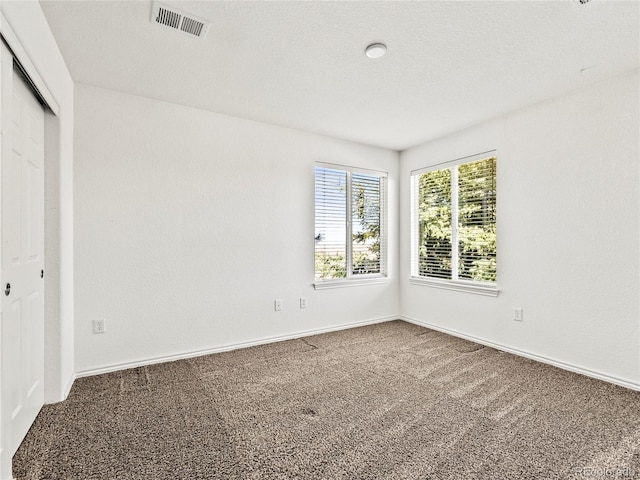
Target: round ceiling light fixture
(376, 50)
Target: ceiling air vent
(163, 14)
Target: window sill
(490, 290)
(350, 282)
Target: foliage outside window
(349, 224)
(454, 222)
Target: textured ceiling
(302, 64)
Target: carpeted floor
(388, 401)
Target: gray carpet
(388, 401)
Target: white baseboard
(61, 395)
(305, 333)
(226, 348)
(539, 358)
(67, 389)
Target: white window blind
(454, 221)
(434, 224)
(331, 223)
(477, 220)
(350, 238)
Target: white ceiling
(302, 65)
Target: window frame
(455, 284)
(351, 279)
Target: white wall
(568, 238)
(190, 223)
(29, 24)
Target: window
(350, 237)
(454, 225)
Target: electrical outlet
(517, 314)
(99, 325)
(303, 302)
(277, 305)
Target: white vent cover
(163, 14)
